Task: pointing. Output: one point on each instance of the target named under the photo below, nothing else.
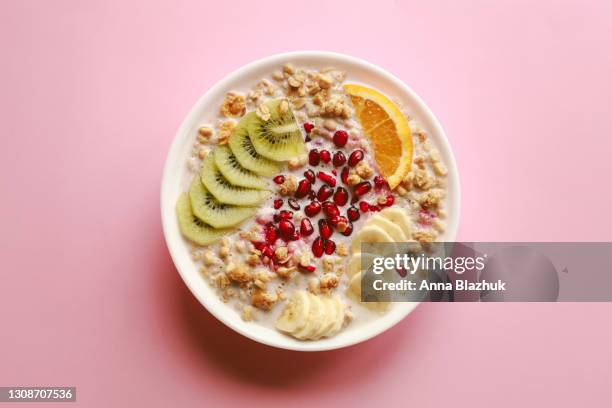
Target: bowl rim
(168, 216)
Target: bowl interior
(176, 178)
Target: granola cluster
(234, 105)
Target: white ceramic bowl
(175, 180)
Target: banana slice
(311, 317)
(294, 317)
(399, 218)
(365, 260)
(354, 291)
(371, 233)
(314, 320)
(354, 264)
(358, 260)
(340, 315)
(390, 228)
(331, 316)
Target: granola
(289, 160)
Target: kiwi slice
(192, 227)
(278, 138)
(224, 191)
(218, 215)
(247, 156)
(234, 173)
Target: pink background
(92, 94)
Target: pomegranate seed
(280, 179)
(339, 159)
(355, 158)
(312, 195)
(312, 209)
(285, 215)
(309, 174)
(349, 230)
(295, 236)
(330, 247)
(303, 188)
(390, 200)
(334, 172)
(330, 209)
(324, 229)
(327, 178)
(340, 138)
(336, 219)
(308, 127)
(353, 213)
(362, 188)
(286, 229)
(324, 193)
(278, 203)
(363, 206)
(293, 204)
(317, 247)
(307, 268)
(325, 156)
(270, 234)
(267, 251)
(259, 245)
(313, 157)
(306, 227)
(380, 182)
(344, 175)
(374, 208)
(341, 196)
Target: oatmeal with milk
(289, 181)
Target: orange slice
(387, 130)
